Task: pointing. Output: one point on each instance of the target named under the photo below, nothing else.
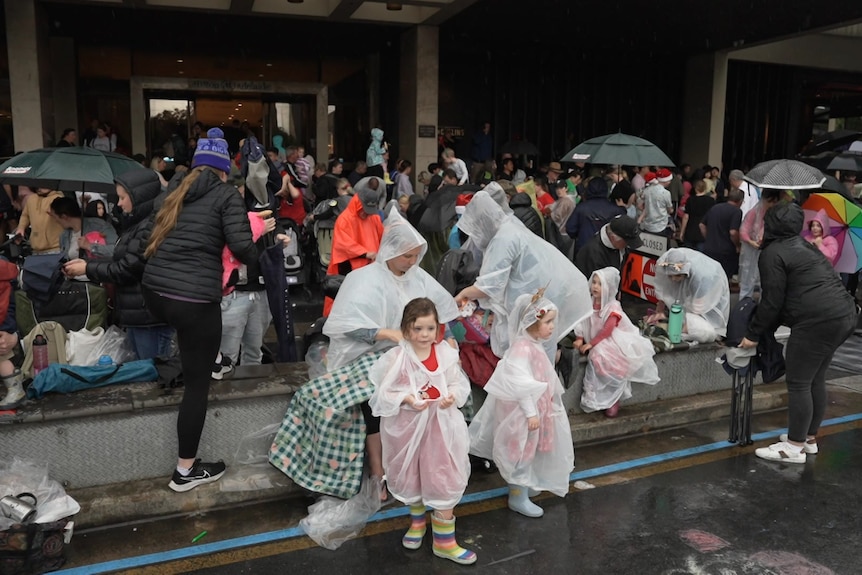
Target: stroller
(325, 214)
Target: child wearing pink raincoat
(418, 388)
(818, 234)
(523, 425)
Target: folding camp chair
(741, 364)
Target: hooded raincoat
(356, 233)
(425, 452)
(524, 385)
(616, 360)
(321, 442)
(514, 262)
(374, 297)
(703, 293)
(376, 149)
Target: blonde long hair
(166, 219)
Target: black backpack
(770, 353)
(457, 270)
(740, 318)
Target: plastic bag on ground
(81, 346)
(332, 521)
(115, 344)
(251, 470)
(52, 502)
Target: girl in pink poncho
(618, 353)
(418, 387)
(523, 425)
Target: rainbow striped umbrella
(845, 225)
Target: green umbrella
(618, 149)
(70, 169)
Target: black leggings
(198, 328)
(375, 171)
(809, 352)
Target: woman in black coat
(522, 206)
(183, 286)
(148, 336)
(803, 292)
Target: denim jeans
(151, 342)
(245, 317)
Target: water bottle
(674, 323)
(105, 361)
(40, 354)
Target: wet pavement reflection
(682, 501)
(735, 515)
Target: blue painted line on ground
(283, 534)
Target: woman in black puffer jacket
(148, 336)
(803, 292)
(183, 286)
(522, 205)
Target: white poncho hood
(373, 297)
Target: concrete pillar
(372, 74)
(417, 138)
(64, 75)
(24, 37)
(138, 113)
(704, 109)
(321, 131)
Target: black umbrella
(846, 162)
(835, 140)
(519, 148)
(278, 297)
(831, 184)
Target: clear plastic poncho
(703, 293)
(525, 384)
(516, 261)
(425, 452)
(617, 360)
(373, 297)
(749, 273)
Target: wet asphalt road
(736, 515)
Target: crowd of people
(543, 252)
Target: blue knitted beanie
(213, 151)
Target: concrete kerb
(111, 446)
(151, 498)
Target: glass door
(293, 119)
(168, 126)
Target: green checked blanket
(321, 442)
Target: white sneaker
(809, 447)
(781, 451)
(220, 369)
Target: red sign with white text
(638, 276)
